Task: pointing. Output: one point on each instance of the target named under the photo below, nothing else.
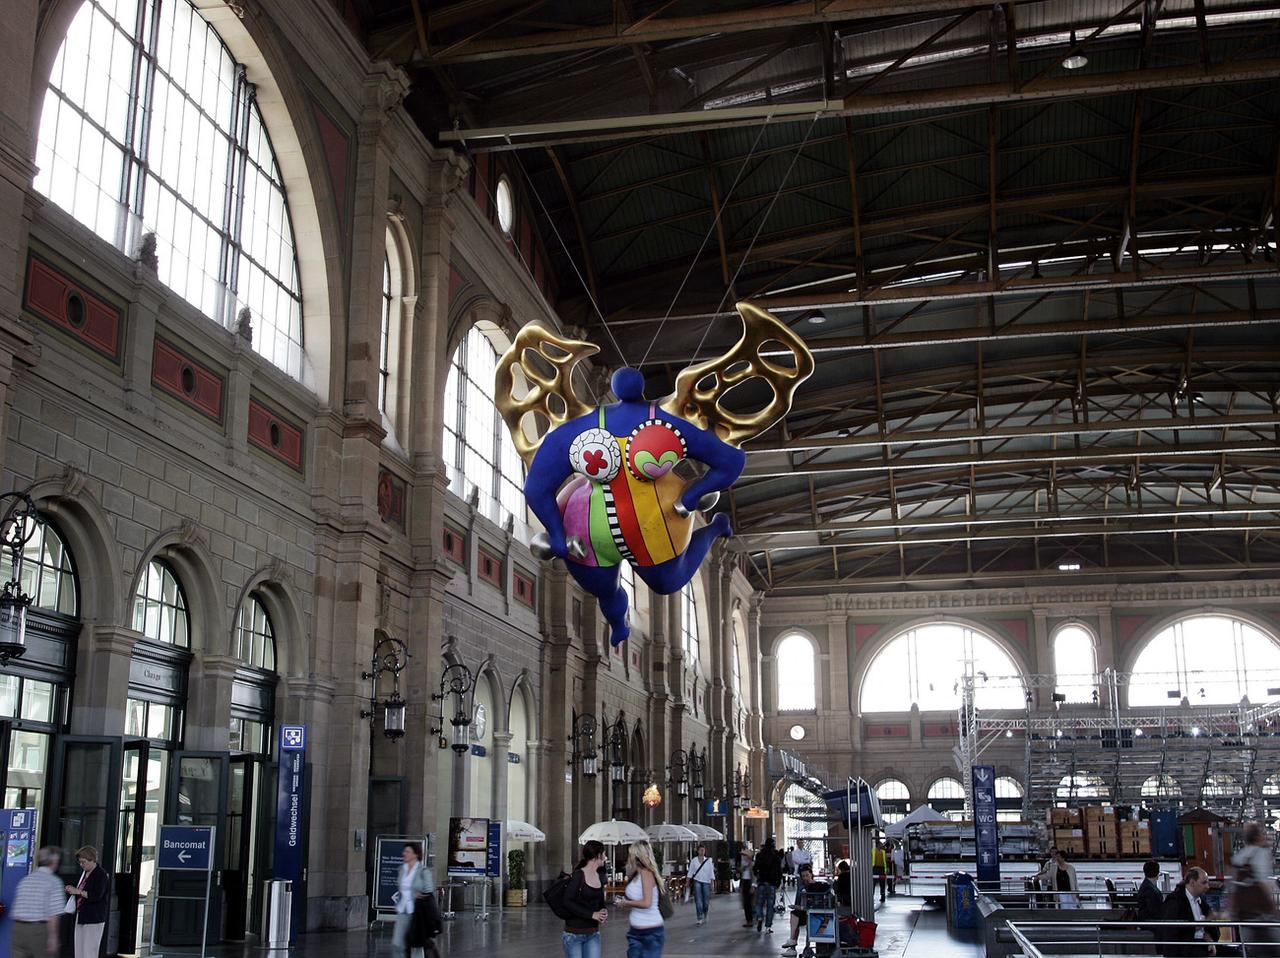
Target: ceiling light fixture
(817, 319)
(1068, 566)
(1077, 59)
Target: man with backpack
(768, 874)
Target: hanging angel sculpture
(603, 481)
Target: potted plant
(517, 893)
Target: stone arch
(87, 532)
(1153, 627)
(185, 551)
(523, 687)
(490, 674)
(280, 599)
(286, 112)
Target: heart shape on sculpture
(659, 467)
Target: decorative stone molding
(385, 88)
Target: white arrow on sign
(182, 857)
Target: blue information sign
(717, 807)
(291, 833)
(185, 848)
(986, 832)
(493, 860)
(17, 858)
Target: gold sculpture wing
(699, 388)
(538, 365)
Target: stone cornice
(1057, 600)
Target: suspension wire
(764, 219)
(711, 229)
(491, 193)
(572, 262)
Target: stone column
(1042, 662)
(1105, 653)
(102, 673)
(208, 717)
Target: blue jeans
(581, 946)
(701, 898)
(646, 942)
(764, 902)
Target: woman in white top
(648, 932)
(1254, 890)
(415, 882)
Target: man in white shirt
(1184, 904)
(702, 872)
(36, 908)
(801, 857)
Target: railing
(1035, 939)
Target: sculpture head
(628, 384)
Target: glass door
(197, 796)
(142, 779)
(86, 770)
(240, 871)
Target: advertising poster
(468, 847)
(388, 857)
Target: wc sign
(986, 832)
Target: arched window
(476, 442)
(1161, 788)
(517, 768)
(1074, 666)
(1208, 659)
(481, 760)
(736, 655)
(1008, 799)
(689, 625)
(384, 333)
(255, 638)
(797, 674)
(895, 799)
(160, 608)
(1271, 795)
(922, 666)
(48, 574)
(804, 818)
(946, 795)
(1081, 785)
(150, 126)
(1219, 785)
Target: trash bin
(277, 917)
(962, 901)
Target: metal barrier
(1077, 938)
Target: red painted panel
(1127, 625)
(482, 184)
(863, 633)
(72, 309)
(490, 568)
(939, 728)
(888, 731)
(454, 545)
(1016, 628)
(524, 589)
(456, 282)
(337, 152)
(390, 498)
(274, 435)
(187, 380)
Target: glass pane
(37, 701)
(135, 718)
(87, 789)
(199, 791)
(28, 769)
(8, 696)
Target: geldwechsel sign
(291, 826)
(986, 832)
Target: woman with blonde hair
(643, 894)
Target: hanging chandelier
(652, 797)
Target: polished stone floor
(907, 929)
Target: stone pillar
(556, 721)
(1042, 661)
(1105, 653)
(102, 674)
(208, 718)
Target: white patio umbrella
(667, 832)
(705, 832)
(524, 832)
(613, 832)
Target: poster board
(468, 848)
(387, 858)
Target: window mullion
(133, 175)
(233, 214)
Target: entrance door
(197, 796)
(240, 871)
(129, 849)
(388, 801)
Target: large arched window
(384, 332)
(1081, 784)
(1008, 799)
(804, 818)
(922, 666)
(1208, 659)
(1074, 666)
(690, 640)
(150, 126)
(946, 795)
(1219, 785)
(1161, 788)
(797, 674)
(476, 442)
(48, 574)
(736, 664)
(895, 799)
(517, 767)
(160, 607)
(253, 689)
(255, 638)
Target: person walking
(37, 908)
(768, 874)
(93, 894)
(415, 882)
(584, 900)
(644, 890)
(702, 872)
(880, 868)
(746, 884)
(1253, 892)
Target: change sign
(986, 832)
(185, 848)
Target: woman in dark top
(93, 898)
(584, 899)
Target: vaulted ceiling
(1033, 246)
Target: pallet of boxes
(1099, 831)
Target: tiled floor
(907, 929)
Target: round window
(506, 206)
(797, 732)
